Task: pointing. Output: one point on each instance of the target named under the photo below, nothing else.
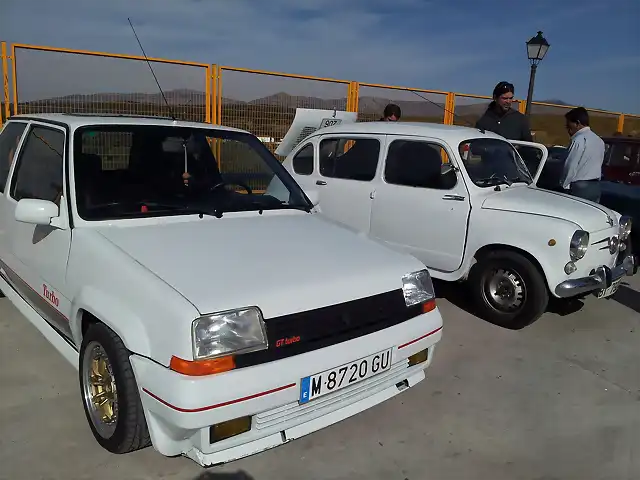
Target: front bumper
(180, 410)
(603, 277)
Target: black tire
(526, 289)
(128, 431)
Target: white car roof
(449, 133)
(79, 120)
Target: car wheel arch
(93, 306)
(493, 247)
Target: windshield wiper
(282, 205)
(495, 180)
(158, 207)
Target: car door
(10, 138)
(422, 205)
(37, 260)
(346, 177)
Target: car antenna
(445, 109)
(152, 72)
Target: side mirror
(446, 169)
(314, 196)
(37, 212)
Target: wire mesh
(113, 148)
(265, 105)
(631, 126)
(603, 123)
(86, 83)
(548, 124)
(469, 109)
(373, 99)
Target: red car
(622, 160)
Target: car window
(39, 166)
(491, 161)
(532, 157)
(621, 155)
(130, 171)
(349, 158)
(418, 164)
(303, 161)
(9, 139)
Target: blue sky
(462, 45)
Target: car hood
(536, 201)
(281, 262)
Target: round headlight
(578, 245)
(625, 227)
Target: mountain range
(367, 105)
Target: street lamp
(536, 50)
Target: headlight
(417, 287)
(233, 331)
(579, 244)
(625, 227)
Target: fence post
(15, 79)
(218, 115)
(207, 94)
(352, 97)
(621, 123)
(213, 101)
(522, 106)
(5, 83)
(449, 105)
(219, 94)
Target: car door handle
(458, 198)
(320, 182)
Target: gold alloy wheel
(99, 390)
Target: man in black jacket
(502, 119)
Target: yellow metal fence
(259, 101)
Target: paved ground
(558, 400)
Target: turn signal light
(197, 368)
(428, 306)
(228, 429)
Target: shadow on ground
(628, 297)
(458, 295)
(239, 475)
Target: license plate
(610, 290)
(334, 379)
(330, 122)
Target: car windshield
(128, 171)
(491, 161)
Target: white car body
(148, 278)
(448, 229)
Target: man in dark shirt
(502, 119)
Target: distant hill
(368, 105)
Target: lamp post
(536, 50)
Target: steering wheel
(223, 183)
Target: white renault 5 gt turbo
(206, 316)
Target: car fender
(544, 239)
(114, 314)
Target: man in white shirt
(583, 167)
